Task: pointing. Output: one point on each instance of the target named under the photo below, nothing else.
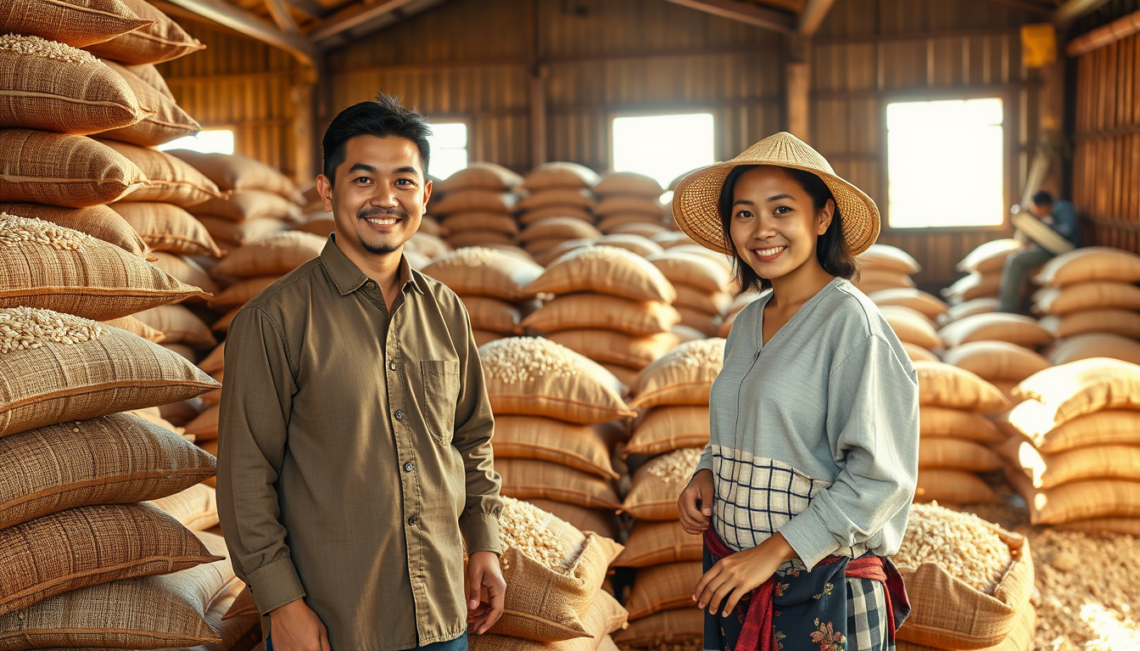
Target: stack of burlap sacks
(912, 314)
(629, 204)
(476, 205)
(557, 207)
(977, 291)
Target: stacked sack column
(476, 205)
(557, 209)
(630, 203)
(667, 439)
(703, 287)
(977, 292)
(885, 267)
(1000, 347)
(913, 313)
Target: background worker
(1047, 229)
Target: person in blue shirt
(1061, 218)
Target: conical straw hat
(697, 195)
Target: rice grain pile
(522, 360)
(522, 526)
(677, 466)
(964, 545)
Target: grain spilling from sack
(98, 221)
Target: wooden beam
(1074, 9)
(1026, 5)
(354, 16)
(309, 8)
(246, 23)
(280, 15)
(1102, 36)
(812, 16)
(743, 12)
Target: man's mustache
(366, 213)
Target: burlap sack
(150, 74)
(952, 487)
(611, 347)
(161, 40)
(636, 244)
(83, 370)
(559, 228)
(471, 200)
(537, 377)
(663, 587)
(1093, 344)
(136, 327)
(492, 314)
(709, 325)
(883, 257)
(63, 170)
(169, 179)
(632, 223)
(1119, 322)
(1084, 387)
(480, 222)
(240, 174)
(968, 308)
(167, 227)
(685, 269)
(231, 235)
(1050, 470)
(658, 483)
(1011, 328)
(485, 272)
(1096, 295)
(949, 614)
(324, 226)
(78, 22)
(543, 249)
(114, 459)
(237, 633)
(538, 214)
(560, 175)
(629, 184)
(274, 255)
(154, 416)
(242, 291)
(529, 478)
(481, 176)
(99, 221)
(911, 326)
(1103, 526)
(684, 376)
(182, 350)
(995, 361)
(989, 257)
(54, 87)
(957, 454)
(1078, 500)
(90, 545)
(664, 429)
(187, 271)
(167, 122)
(1020, 638)
(928, 305)
(626, 204)
(179, 325)
(223, 324)
(916, 353)
(600, 521)
(205, 426)
(943, 385)
(581, 447)
(601, 311)
(491, 239)
(49, 266)
(556, 197)
(244, 205)
(243, 606)
(196, 507)
(1092, 263)
(974, 286)
(606, 270)
(216, 361)
(873, 281)
(685, 626)
(937, 422)
(658, 543)
(1033, 421)
(711, 303)
(604, 616)
(670, 239)
(109, 615)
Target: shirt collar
(348, 277)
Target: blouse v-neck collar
(795, 317)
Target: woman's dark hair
(381, 117)
(831, 249)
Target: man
(354, 437)
(1047, 230)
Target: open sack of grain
(475, 206)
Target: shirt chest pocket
(440, 393)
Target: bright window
(448, 148)
(663, 146)
(210, 141)
(946, 164)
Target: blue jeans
(458, 644)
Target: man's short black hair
(1042, 198)
(381, 117)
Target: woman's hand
(736, 575)
(696, 503)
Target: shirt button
(370, 285)
(392, 365)
(412, 521)
(399, 414)
(408, 466)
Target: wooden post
(306, 140)
(1052, 139)
(537, 89)
(797, 87)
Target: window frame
(231, 127)
(454, 118)
(611, 116)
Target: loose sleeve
(872, 425)
(257, 399)
(474, 426)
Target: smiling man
(354, 457)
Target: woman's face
(775, 225)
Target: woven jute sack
(1019, 639)
(968, 308)
(274, 255)
(1011, 328)
(1096, 295)
(195, 507)
(957, 454)
(560, 175)
(83, 370)
(237, 633)
(1050, 470)
(626, 204)
(1032, 421)
(230, 236)
(926, 304)
(709, 325)
(54, 87)
(1090, 264)
(538, 214)
(1078, 500)
(989, 257)
(481, 176)
(136, 327)
(492, 314)
(948, 486)
(90, 545)
(636, 244)
(658, 543)
(604, 616)
(628, 183)
(150, 74)
(242, 291)
(635, 223)
(179, 326)
(712, 303)
(248, 205)
(949, 614)
(883, 257)
(537, 377)
(215, 361)
(684, 376)
(943, 385)
(492, 239)
(874, 280)
(110, 615)
(911, 326)
(658, 483)
(78, 23)
(63, 170)
(1119, 322)
(559, 228)
(114, 459)
(478, 221)
(1093, 344)
(664, 429)
(529, 478)
(663, 587)
(606, 270)
(543, 250)
(485, 272)
(695, 271)
(1103, 526)
(1083, 387)
(600, 521)
(958, 423)
(167, 227)
(582, 447)
(161, 40)
(240, 173)
(169, 180)
(473, 199)
(49, 266)
(205, 426)
(167, 120)
(975, 285)
(919, 354)
(188, 271)
(686, 626)
(996, 360)
(611, 347)
(99, 221)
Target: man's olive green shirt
(354, 451)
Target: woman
(806, 483)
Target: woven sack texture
(150, 74)
(968, 308)
(90, 545)
(1119, 322)
(169, 228)
(230, 235)
(600, 521)
(245, 205)
(474, 199)
(658, 483)
(611, 347)
(1096, 295)
(1090, 264)
(275, 255)
(883, 257)
(1078, 464)
(187, 271)
(1103, 526)
(943, 385)
(975, 285)
(47, 266)
(114, 459)
(1077, 500)
(538, 214)
(560, 175)
(989, 257)
(109, 615)
(78, 23)
(636, 244)
(958, 423)
(241, 292)
(161, 40)
(604, 616)
(664, 429)
(195, 507)
(926, 304)
(559, 228)
(491, 239)
(1020, 638)
(484, 272)
(606, 270)
(556, 198)
(636, 223)
(684, 376)
(582, 447)
(480, 222)
(918, 353)
(492, 314)
(482, 176)
(168, 121)
(240, 173)
(663, 587)
(911, 327)
(54, 87)
(63, 170)
(947, 486)
(1108, 427)
(237, 633)
(205, 426)
(996, 360)
(625, 204)
(136, 327)
(709, 325)
(98, 221)
(169, 179)
(686, 269)
(179, 325)
(873, 281)
(529, 478)
(628, 183)
(1083, 387)
(957, 454)
(669, 627)
(658, 543)
(712, 303)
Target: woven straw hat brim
(697, 195)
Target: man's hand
(735, 576)
(295, 627)
(696, 503)
(483, 571)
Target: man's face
(379, 196)
(1041, 210)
